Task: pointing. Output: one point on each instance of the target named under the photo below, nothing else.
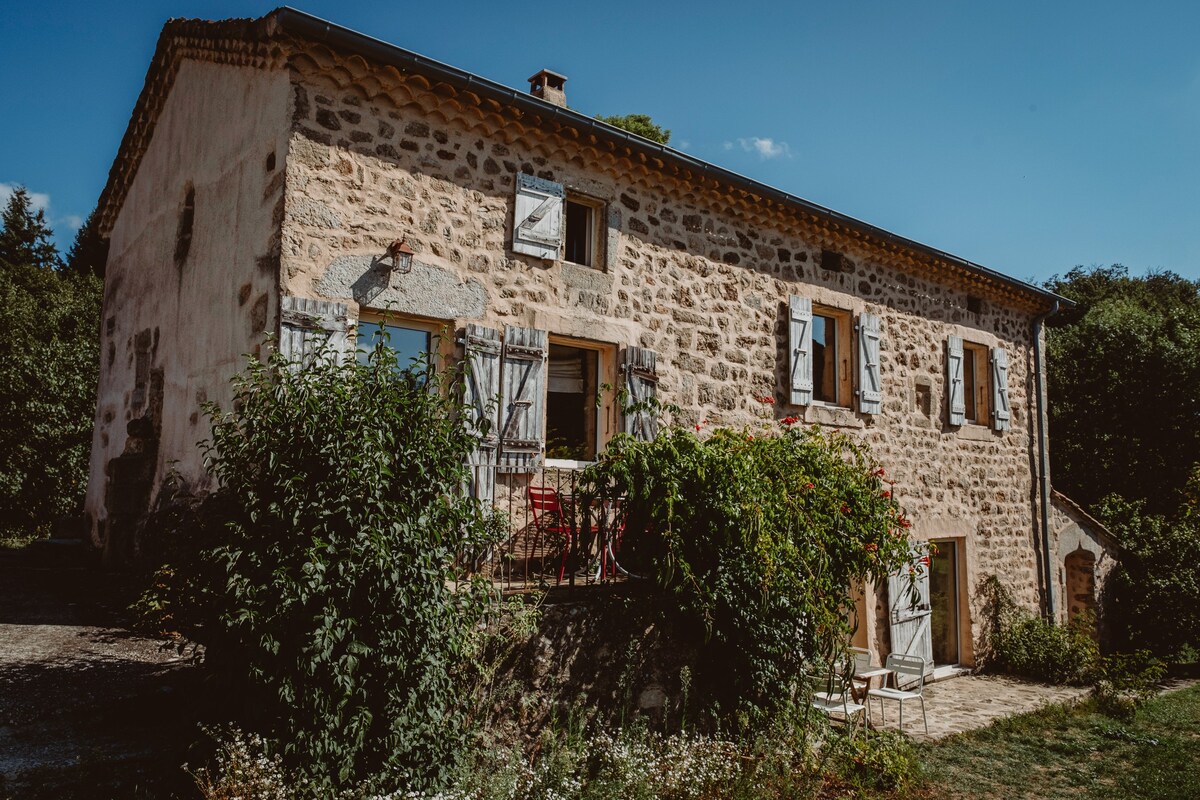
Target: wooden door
(909, 609)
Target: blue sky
(1029, 137)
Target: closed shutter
(523, 403)
(1001, 415)
(955, 398)
(538, 219)
(640, 367)
(482, 350)
(870, 384)
(309, 327)
(910, 610)
(800, 381)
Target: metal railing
(557, 535)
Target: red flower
(925, 560)
(770, 401)
(904, 523)
(749, 438)
(878, 473)
(845, 508)
(871, 547)
(810, 486)
(788, 421)
(886, 493)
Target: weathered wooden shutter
(523, 404)
(482, 350)
(1000, 410)
(308, 327)
(538, 221)
(957, 401)
(870, 383)
(640, 367)
(800, 381)
(910, 610)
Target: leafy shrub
(759, 539)
(884, 761)
(1126, 682)
(1153, 596)
(1021, 643)
(323, 584)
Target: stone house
(276, 173)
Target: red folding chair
(548, 518)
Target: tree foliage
(761, 539)
(49, 364)
(641, 124)
(324, 584)
(1124, 380)
(89, 253)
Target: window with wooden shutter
(870, 384)
(1001, 414)
(955, 396)
(523, 399)
(309, 327)
(482, 350)
(800, 371)
(640, 368)
(538, 218)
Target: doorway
(943, 601)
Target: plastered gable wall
(173, 335)
(688, 275)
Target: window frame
(595, 244)
(430, 326)
(606, 359)
(843, 376)
(977, 404)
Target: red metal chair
(549, 518)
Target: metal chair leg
(923, 717)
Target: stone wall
(191, 283)
(1085, 554)
(687, 275)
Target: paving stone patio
(973, 701)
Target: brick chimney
(548, 85)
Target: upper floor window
(831, 356)
(832, 360)
(551, 223)
(977, 384)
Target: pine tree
(89, 253)
(26, 237)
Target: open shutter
(954, 381)
(870, 384)
(640, 367)
(523, 403)
(538, 221)
(800, 382)
(482, 349)
(308, 327)
(1000, 411)
(910, 610)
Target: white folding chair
(831, 695)
(908, 673)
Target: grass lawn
(1076, 753)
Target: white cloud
(727, 145)
(72, 221)
(38, 200)
(766, 148)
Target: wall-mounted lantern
(401, 255)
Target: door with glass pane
(943, 601)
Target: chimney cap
(548, 77)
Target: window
(831, 355)
(571, 414)
(580, 242)
(411, 341)
(976, 391)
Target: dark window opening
(833, 261)
(183, 235)
(974, 304)
(824, 357)
(580, 233)
(969, 383)
(571, 403)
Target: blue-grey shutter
(800, 377)
(538, 217)
(1001, 414)
(523, 403)
(640, 368)
(482, 351)
(308, 327)
(870, 383)
(955, 399)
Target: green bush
(759, 539)
(323, 583)
(1021, 643)
(1153, 597)
(1126, 681)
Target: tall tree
(26, 237)
(89, 253)
(1124, 373)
